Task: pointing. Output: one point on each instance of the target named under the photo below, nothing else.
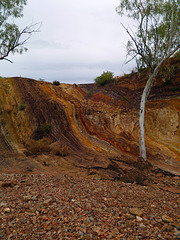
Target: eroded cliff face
(103, 123)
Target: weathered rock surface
(64, 121)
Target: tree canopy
(157, 24)
(12, 39)
(154, 40)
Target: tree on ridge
(155, 39)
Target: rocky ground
(64, 206)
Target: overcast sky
(78, 41)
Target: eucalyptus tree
(153, 39)
(12, 39)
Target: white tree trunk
(142, 147)
(146, 91)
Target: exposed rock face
(163, 123)
(104, 123)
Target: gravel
(39, 206)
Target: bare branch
(7, 60)
(16, 43)
(139, 48)
(131, 59)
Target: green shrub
(56, 83)
(21, 107)
(89, 93)
(175, 88)
(46, 128)
(167, 81)
(124, 98)
(41, 132)
(105, 78)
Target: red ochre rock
(104, 123)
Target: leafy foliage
(154, 40)
(89, 93)
(11, 40)
(56, 83)
(167, 81)
(41, 132)
(11, 8)
(158, 28)
(175, 88)
(46, 128)
(21, 107)
(105, 78)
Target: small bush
(175, 88)
(124, 98)
(89, 93)
(46, 128)
(41, 132)
(56, 83)
(167, 81)
(21, 107)
(105, 78)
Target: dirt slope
(86, 125)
